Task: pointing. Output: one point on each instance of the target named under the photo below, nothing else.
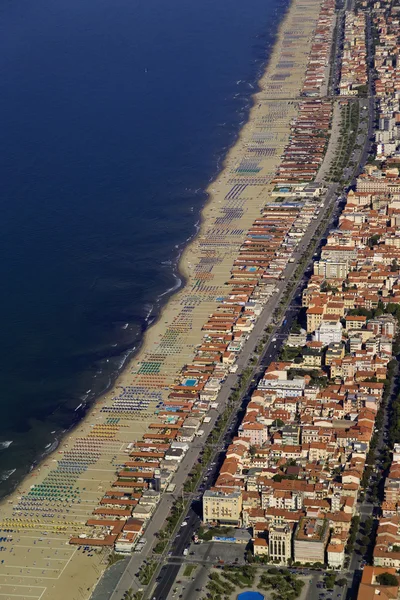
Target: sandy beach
(41, 564)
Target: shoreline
(89, 571)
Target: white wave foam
(149, 310)
(176, 286)
(4, 445)
(125, 358)
(51, 447)
(6, 474)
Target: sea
(114, 117)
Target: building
(255, 432)
(260, 546)
(310, 540)
(312, 358)
(315, 315)
(280, 543)
(291, 435)
(335, 554)
(355, 321)
(174, 454)
(387, 546)
(297, 339)
(334, 351)
(331, 269)
(384, 325)
(370, 589)
(329, 332)
(292, 388)
(129, 536)
(222, 506)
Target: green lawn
(189, 569)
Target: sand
(42, 565)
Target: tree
(296, 327)
(113, 558)
(342, 581)
(365, 540)
(249, 571)
(387, 579)
(330, 581)
(368, 526)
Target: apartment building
(310, 540)
(222, 507)
(280, 543)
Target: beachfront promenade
(39, 562)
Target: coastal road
(182, 540)
(367, 105)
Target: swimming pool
(190, 382)
(250, 596)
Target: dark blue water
(114, 116)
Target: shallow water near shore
(115, 115)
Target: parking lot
(211, 554)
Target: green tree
(365, 540)
(277, 423)
(330, 581)
(387, 579)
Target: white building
(329, 332)
(284, 388)
(335, 554)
